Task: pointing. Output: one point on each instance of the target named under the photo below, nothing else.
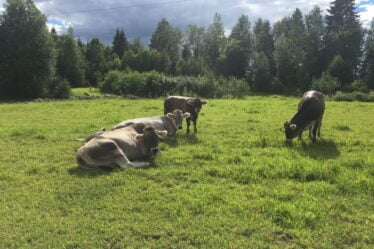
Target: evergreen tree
(314, 61)
(367, 69)
(344, 36)
(27, 56)
(120, 43)
(70, 62)
(239, 50)
(263, 42)
(96, 65)
(284, 59)
(214, 41)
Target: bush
(358, 96)
(358, 86)
(326, 84)
(58, 88)
(233, 87)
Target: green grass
(82, 91)
(235, 184)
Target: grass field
(235, 184)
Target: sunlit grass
(235, 184)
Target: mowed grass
(235, 184)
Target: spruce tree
(120, 43)
(214, 41)
(344, 36)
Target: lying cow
(309, 116)
(121, 147)
(170, 122)
(186, 104)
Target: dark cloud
(139, 18)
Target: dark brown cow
(309, 116)
(185, 104)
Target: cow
(186, 104)
(170, 122)
(121, 147)
(309, 116)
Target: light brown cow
(121, 147)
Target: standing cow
(186, 104)
(121, 147)
(309, 116)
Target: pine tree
(120, 43)
(344, 36)
(25, 70)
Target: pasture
(235, 184)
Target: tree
(284, 60)
(263, 41)
(339, 69)
(239, 49)
(96, 65)
(314, 61)
(261, 72)
(344, 36)
(367, 69)
(214, 41)
(70, 62)
(166, 39)
(194, 40)
(120, 43)
(27, 56)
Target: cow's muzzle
(155, 150)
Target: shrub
(58, 88)
(359, 86)
(326, 84)
(359, 96)
(233, 87)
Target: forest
(329, 53)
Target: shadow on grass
(94, 172)
(323, 149)
(190, 138)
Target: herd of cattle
(138, 139)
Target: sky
(139, 18)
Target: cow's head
(196, 104)
(291, 130)
(151, 138)
(177, 118)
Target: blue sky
(139, 18)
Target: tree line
(299, 52)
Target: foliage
(327, 84)
(96, 65)
(354, 96)
(58, 88)
(261, 73)
(120, 43)
(27, 56)
(367, 67)
(214, 41)
(70, 62)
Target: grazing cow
(309, 116)
(121, 147)
(186, 104)
(170, 122)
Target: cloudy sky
(139, 18)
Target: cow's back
(172, 103)
(311, 106)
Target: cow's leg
(194, 126)
(188, 121)
(315, 128)
(301, 135)
(319, 126)
(124, 163)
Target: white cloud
(367, 14)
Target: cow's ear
(186, 115)
(161, 134)
(203, 102)
(139, 137)
(293, 127)
(170, 115)
(190, 102)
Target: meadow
(234, 184)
